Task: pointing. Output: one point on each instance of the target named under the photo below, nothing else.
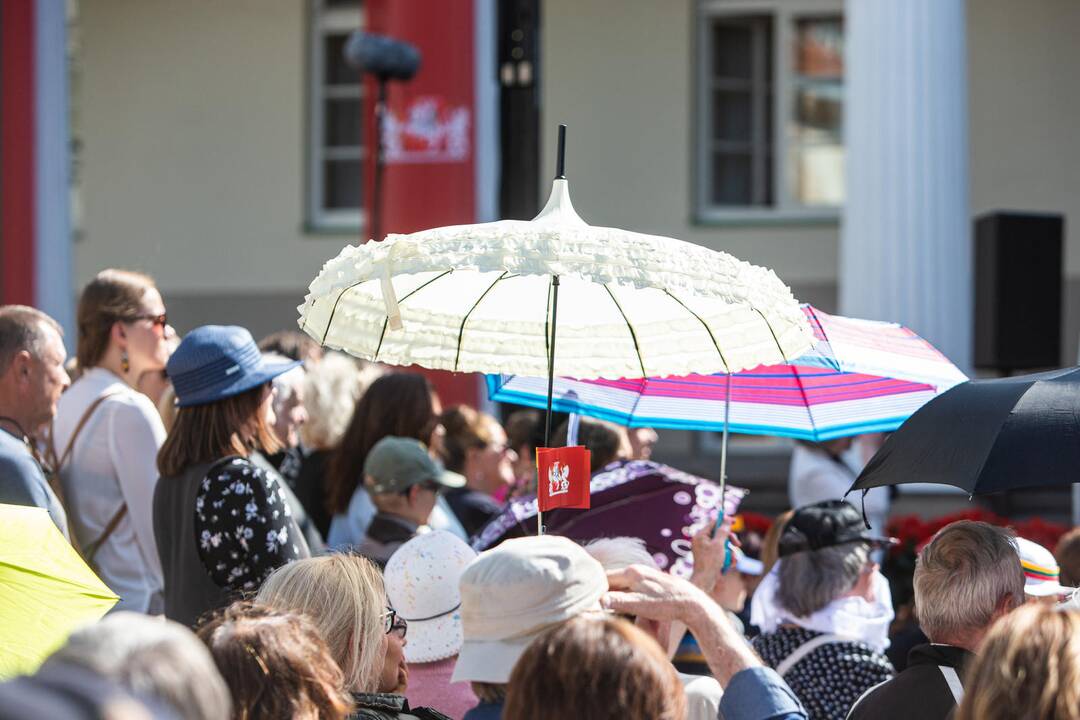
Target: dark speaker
(1018, 278)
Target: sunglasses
(156, 320)
(395, 625)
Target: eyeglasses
(157, 320)
(395, 625)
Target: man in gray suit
(32, 377)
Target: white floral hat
(422, 586)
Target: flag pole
(550, 390)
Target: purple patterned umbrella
(663, 506)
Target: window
(335, 120)
(770, 109)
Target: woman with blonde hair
(1027, 668)
(106, 436)
(594, 668)
(276, 665)
(344, 596)
(222, 523)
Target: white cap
(422, 586)
(1041, 570)
(513, 592)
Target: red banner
(563, 477)
(429, 134)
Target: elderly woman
(476, 446)
(824, 610)
(344, 596)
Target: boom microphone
(382, 56)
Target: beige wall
(191, 116)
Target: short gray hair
(811, 580)
(619, 553)
(154, 658)
(23, 328)
(962, 576)
(331, 389)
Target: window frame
(785, 208)
(323, 21)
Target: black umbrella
(985, 436)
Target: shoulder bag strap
(952, 679)
(805, 649)
(89, 550)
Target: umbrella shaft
(551, 357)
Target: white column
(54, 288)
(905, 252)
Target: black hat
(824, 524)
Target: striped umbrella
(861, 376)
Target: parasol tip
(560, 159)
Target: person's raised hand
(650, 593)
(709, 552)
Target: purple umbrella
(663, 506)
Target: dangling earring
(124, 361)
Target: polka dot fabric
(830, 678)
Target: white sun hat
(515, 591)
(422, 587)
(1041, 570)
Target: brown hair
(275, 663)
(21, 328)
(1027, 668)
(112, 296)
(1067, 553)
(522, 430)
(397, 404)
(628, 676)
(465, 428)
(204, 433)
(604, 440)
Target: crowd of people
(288, 533)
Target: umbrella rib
(771, 332)
(461, 330)
(333, 311)
(727, 368)
(633, 335)
(407, 295)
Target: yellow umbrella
(46, 590)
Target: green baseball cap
(395, 464)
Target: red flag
(563, 477)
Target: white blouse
(114, 461)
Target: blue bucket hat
(214, 362)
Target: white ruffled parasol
(485, 297)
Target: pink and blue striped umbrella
(861, 376)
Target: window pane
(741, 152)
(820, 175)
(732, 180)
(335, 70)
(819, 112)
(343, 122)
(816, 153)
(732, 48)
(819, 47)
(342, 184)
(732, 115)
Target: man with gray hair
(967, 577)
(32, 377)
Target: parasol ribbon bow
(393, 311)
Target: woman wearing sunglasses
(344, 595)
(105, 439)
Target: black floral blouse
(243, 526)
